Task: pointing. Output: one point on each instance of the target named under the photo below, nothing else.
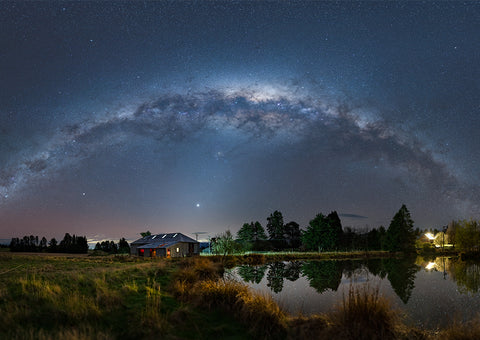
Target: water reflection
(466, 274)
(431, 290)
(401, 274)
(253, 274)
(327, 275)
(323, 275)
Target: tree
(43, 243)
(320, 235)
(292, 234)
(224, 244)
(400, 234)
(311, 238)
(467, 234)
(52, 245)
(146, 233)
(66, 243)
(275, 225)
(335, 225)
(251, 232)
(123, 247)
(276, 229)
(451, 233)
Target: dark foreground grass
(132, 298)
(100, 298)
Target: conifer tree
(401, 234)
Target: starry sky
(118, 117)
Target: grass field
(123, 297)
(80, 297)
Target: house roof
(157, 245)
(161, 240)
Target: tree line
(70, 244)
(323, 233)
(111, 247)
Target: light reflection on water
(430, 292)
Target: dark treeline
(111, 247)
(325, 233)
(70, 244)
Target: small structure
(165, 245)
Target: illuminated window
(178, 249)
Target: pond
(430, 292)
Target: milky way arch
(266, 115)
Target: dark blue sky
(117, 117)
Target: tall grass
(458, 330)
(365, 314)
(153, 319)
(261, 313)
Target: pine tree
(401, 234)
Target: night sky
(118, 117)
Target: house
(165, 245)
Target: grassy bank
(48, 297)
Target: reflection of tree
(323, 275)
(292, 270)
(252, 274)
(275, 276)
(376, 267)
(401, 274)
(466, 275)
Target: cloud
(353, 216)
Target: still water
(429, 292)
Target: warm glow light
(430, 266)
(430, 236)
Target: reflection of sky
(434, 301)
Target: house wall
(133, 248)
(183, 249)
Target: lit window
(178, 249)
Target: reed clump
(191, 271)
(261, 313)
(365, 314)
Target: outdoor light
(430, 266)
(430, 236)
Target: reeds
(365, 314)
(265, 319)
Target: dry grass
(458, 330)
(365, 314)
(261, 313)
